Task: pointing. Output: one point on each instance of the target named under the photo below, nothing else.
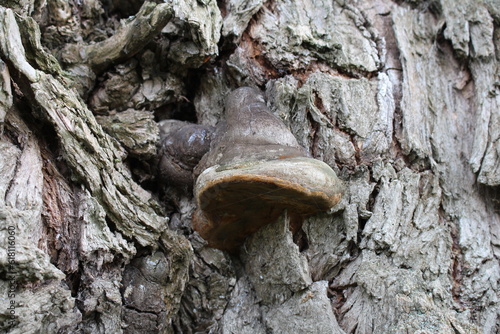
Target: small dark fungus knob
(255, 170)
(182, 145)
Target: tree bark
(400, 98)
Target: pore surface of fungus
(255, 170)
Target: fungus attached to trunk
(255, 170)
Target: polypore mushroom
(255, 169)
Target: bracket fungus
(255, 169)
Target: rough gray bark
(401, 99)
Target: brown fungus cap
(255, 170)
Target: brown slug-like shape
(255, 170)
(182, 145)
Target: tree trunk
(400, 98)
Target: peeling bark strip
(126, 42)
(96, 161)
(5, 93)
(95, 157)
